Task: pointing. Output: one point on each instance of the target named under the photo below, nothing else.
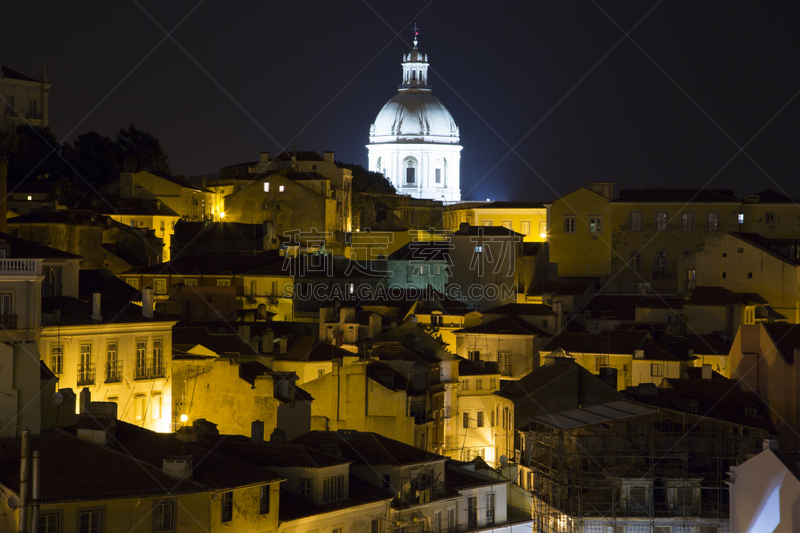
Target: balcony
(20, 267)
(8, 321)
(85, 374)
(154, 369)
(114, 373)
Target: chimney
(278, 436)
(284, 344)
(178, 466)
(707, 372)
(244, 332)
(328, 157)
(265, 157)
(257, 431)
(85, 398)
(96, 316)
(147, 303)
(267, 341)
(331, 449)
(770, 444)
(3, 193)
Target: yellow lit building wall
(578, 243)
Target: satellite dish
(503, 459)
(57, 398)
(13, 502)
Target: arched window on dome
(440, 172)
(410, 172)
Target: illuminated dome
(414, 115)
(414, 140)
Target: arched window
(660, 269)
(410, 171)
(635, 262)
(379, 166)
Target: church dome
(414, 115)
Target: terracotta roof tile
(368, 448)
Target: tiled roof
(612, 307)
(76, 312)
(105, 282)
(521, 310)
(271, 455)
(228, 264)
(178, 181)
(488, 231)
(770, 196)
(505, 325)
(662, 196)
(217, 231)
(307, 155)
(782, 249)
(386, 376)
(721, 399)
(369, 448)
(77, 470)
(293, 507)
(303, 176)
(611, 342)
(660, 302)
(219, 343)
(310, 349)
(710, 344)
(424, 251)
(25, 249)
(496, 205)
(15, 75)
(461, 478)
(590, 415)
(136, 207)
(719, 296)
(786, 338)
(566, 288)
(544, 375)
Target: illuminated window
(487, 223)
(480, 419)
(140, 371)
(157, 405)
(57, 359)
(507, 224)
(437, 270)
(595, 225)
(280, 188)
(139, 406)
(661, 221)
(741, 218)
(526, 227)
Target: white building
(414, 141)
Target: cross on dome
(416, 34)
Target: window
(504, 362)
(636, 221)
(491, 419)
(337, 529)
(635, 262)
(410, 175)
(140, 372)
(133, 282)
(438, 175)
(191, 282)
(33, 107)
(687, 221)
(465, 385)
(158, 358)
(422, 271)
(595, 225)
(479, 249)
(139, 406)
(332, 488)
(437, 270)
(490, 509)
(492, 383)
(85, 367)
(227, 506)
(57, 359)
(160, 286)
(479, 384)
(162, 517)
(724, 275)
(749, 275)
(712, 222)
(320, 373)
(526, 227)
(263, 505)
(223, 283)
(90, 521)
(387, 482)
(10, 105)
(660, 269)
(741, 218)
(280, 188)
(6, 307)
(487, 223)
(656, 370)
(661, 221)
(51, 284)
(480, 419)
(437, 521)
(49, 523)
(709, 529)
(157, 406)
(465, 420)
(569, 224)
(376, 525)
(305, 488)
(769, 218)
(472, 512)
(507, 224)
(266, 186)
(451, 518)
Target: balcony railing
(114, 372)
(8, 321)
(154, 369)
(20, 266)
(85, 374)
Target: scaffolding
(663, 469)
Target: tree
(138, 150)
(367, 181)
(33, 153)
(95, 157)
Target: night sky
(557, 81)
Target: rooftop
(669, 195)
(507, 324)
(364, 447)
